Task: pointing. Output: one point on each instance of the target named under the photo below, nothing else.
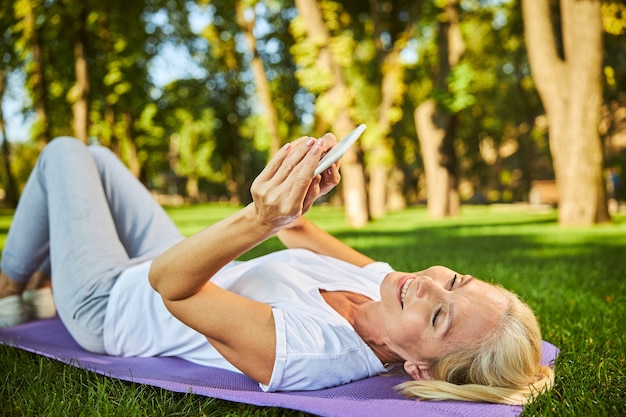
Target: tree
(567, 69)
(612, 126)
(192, 150)
(323, 74)
(26, 14)
(258, 71)
(120, 111)
(227, 92)
(79, 94)
(435, 123)
(500, 139)
(10, 189)
(397, 22)
(8, 61)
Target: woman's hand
(330, 177)
(286, 188)
(327, 180)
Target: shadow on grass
(574, 279)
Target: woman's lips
(402, 289)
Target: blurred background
(466, 101)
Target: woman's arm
(242, 330)
(305, 234)
(281, 193)
(184, 269)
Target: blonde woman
(315, 315)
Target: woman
(313, 316)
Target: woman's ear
(419, 371)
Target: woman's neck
(364, 316)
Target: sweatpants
(87, 217)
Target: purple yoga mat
(369, 397)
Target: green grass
(574, 278)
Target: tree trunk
(10, 189)
(571, 91)
(336, 101)
(381, 155)
(128, 148)
(382, 189)
(434, 128)
(435, 125)
(378, 175)
(192, 188)
(396, 199)
(80, 91)
(107, 136)
(260, 79)
(237, 186)
(39, 90)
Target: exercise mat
(371, 397)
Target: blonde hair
(504, 368)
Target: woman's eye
(453, 281)
(435, 316)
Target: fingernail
(286, 146)
(310, 142)
(330, 171)
(320, 142)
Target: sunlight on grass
(574, 278)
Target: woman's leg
(143, 227)
(65, 207)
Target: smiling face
(429, 313)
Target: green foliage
(614, 17)
(387, 53)
(572, 278)
(195, 146)
(459, 83)
(23, 158)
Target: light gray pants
(84, 214)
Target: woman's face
(431, 312)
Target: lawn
(574, 278)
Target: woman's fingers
(329, 178)
(286, 159)
(286, 188)
(299, 177)
(272, 166)
(290, 156)
(294, 163)
(329, 141)
(312, 193)
(279, 192)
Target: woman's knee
(62, 145)
(62, 152)
(106, 161)
(101, 154)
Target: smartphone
(338, 150)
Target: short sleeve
(379, 268)
(319, 351)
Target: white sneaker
(12, 311)
(39, 303)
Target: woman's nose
(426, 286)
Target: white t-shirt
(315, 346)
